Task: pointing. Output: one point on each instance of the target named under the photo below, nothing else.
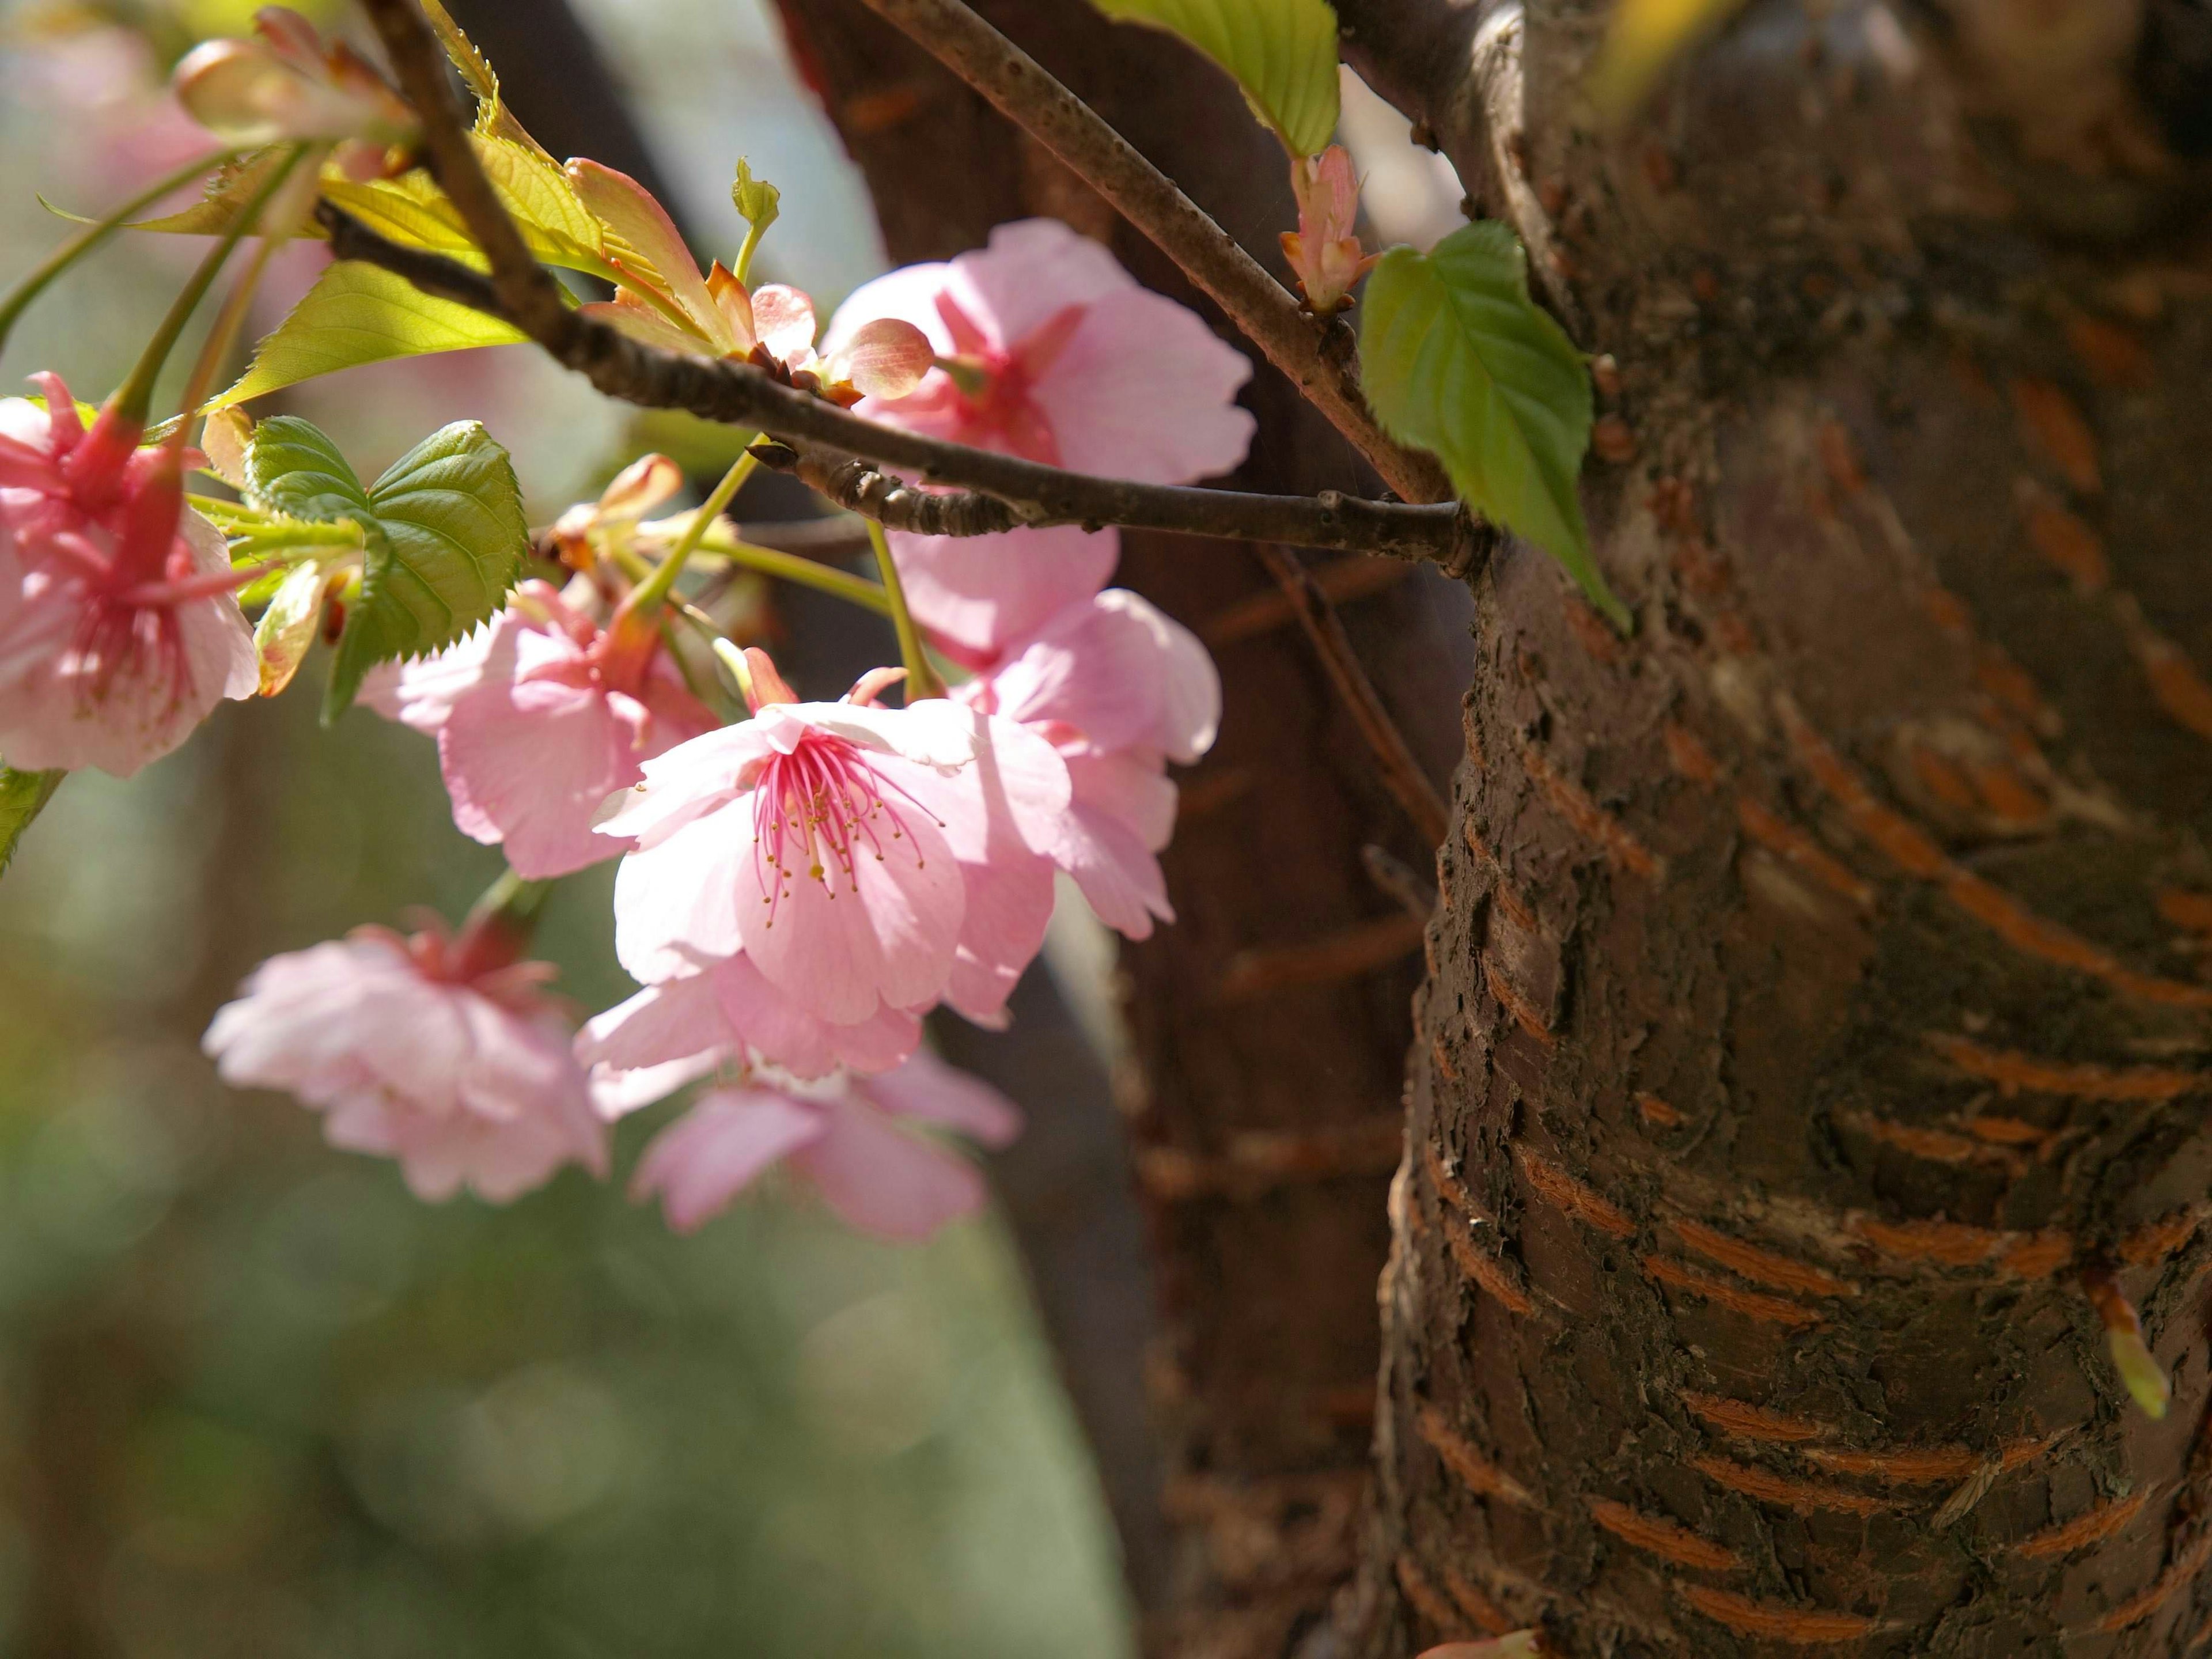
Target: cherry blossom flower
(846, 1136)
(442, 1052)
(286, 84)
(1118, 690)
(119, 627)
(541, 715)
(836, 845)
(1047, 349)
(1324, 250)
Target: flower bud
(285, 84)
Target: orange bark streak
(1769, 1309)
(1563, 1192)
(1663, 1538)
(1779, 1273)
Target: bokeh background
(257, 1401)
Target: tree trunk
(1817, 1006)
(1819, 1000)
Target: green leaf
(450, 539)
(444, 532)
(293, 468)
(1455, 357)
(361, 313)
(1644, 38)
(1281, 52)
(23, 796)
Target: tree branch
(1401, 771)
(1014, 492)
(1021, 90)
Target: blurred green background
(255, 1400)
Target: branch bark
(1027, 494)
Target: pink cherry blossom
(539, 718)
(1324, 250)
(440, 1052)
(789, 837)
(978, 596)
(845, 1136)
(119, 630)
(1049, 349)
(862, 858)
(1118, 690)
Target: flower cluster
(798, 889)
(119, 628)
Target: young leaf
(492, 116)
(1455, 357)
(1281, 52)
(1645, 37)
(23, 796)
(287, 628)
(414, 212)
(449, 540)
(293, 468)
(444, 533)
(360, 314)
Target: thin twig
(1265, 311)
(736, 394)
(1401, 772)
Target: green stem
(755, 229)
(19, 297)
(803, 571)
(223, 334)
(921, 679)
(135, 397)
(250, 543)
(510, 899)
(649, 594)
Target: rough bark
(1818, 988)
(1269, 1027)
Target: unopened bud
(758, 202)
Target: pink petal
(1031, 269)
(1107, 855)
(721, 1146)
(530, 764)
(1145, 390)
(777, 1030)
(676, 1019)
(884, 1180)
(887, 935)
(783, 320)
(982, 595)
(1009, 905)
(928, 1091)
(684, 896)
